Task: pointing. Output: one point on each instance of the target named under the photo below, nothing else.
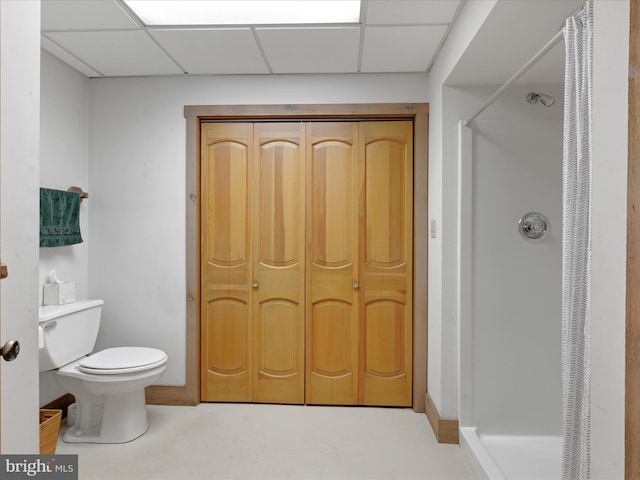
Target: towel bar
(82, 193)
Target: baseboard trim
(445, 430)
(168, 395)
(154, 394)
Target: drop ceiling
(103, 38)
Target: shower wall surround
(510, 324)
(516, 284)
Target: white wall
(609, 217)
(64, 161)
(442, 365)
(137, 178)
(20, 124)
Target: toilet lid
(122, 360)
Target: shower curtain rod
(541, 53)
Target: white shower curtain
(576, 248)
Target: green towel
(59, 218)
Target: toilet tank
(67, 332)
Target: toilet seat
(119, 360)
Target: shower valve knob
(534, 227)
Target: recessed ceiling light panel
(245, 12)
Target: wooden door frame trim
(632, 371)
(417, 112)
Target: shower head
(546, 100)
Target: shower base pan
(512, 457)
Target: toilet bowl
(108, 385)
(110, 400)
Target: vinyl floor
(244, 441)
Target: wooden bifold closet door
(306, 262)
(332, 264)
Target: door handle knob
(10, 350)
(355, 284)
(255, 284)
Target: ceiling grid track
(261, 48)
(166, 52)
(363, 21)
(127, 10)
(446, 34)
(72, 55)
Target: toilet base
(117, 418)
(109, 408)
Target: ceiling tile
(84, 15)
(66, 57)
(215, 51)
(118, 53)
(400, 49)
(311, 50)
(396, 12)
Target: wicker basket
(49, 430)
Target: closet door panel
(225, 352)
(332, 304)
(225, 262)
(306, 262)
(279, 263)
(386, 257)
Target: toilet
(108, 385)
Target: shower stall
(510, 282)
